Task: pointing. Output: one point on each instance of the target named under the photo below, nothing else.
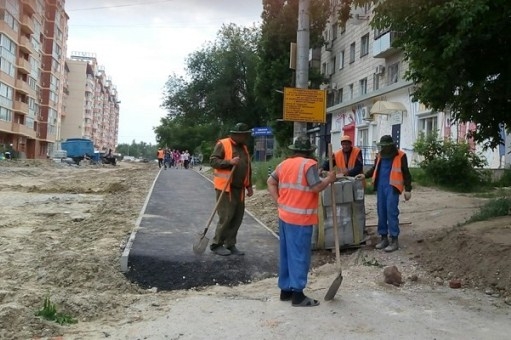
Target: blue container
(78, 147)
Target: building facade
(44, 100)
(368, 97)
(92, 103)
(33, 35)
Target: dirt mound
(479, 254)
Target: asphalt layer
(177, 210)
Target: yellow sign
(304, 105)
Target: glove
(360, 176)
(408, 195)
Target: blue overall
(295, 256)
(387, 198)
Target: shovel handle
(334, 210)
(219, 199)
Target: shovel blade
(200, 244)
(334, 287)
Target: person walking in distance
(160, 154)
(229, 152)
(294, 186)
(348, 159)
(391, 176)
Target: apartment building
(91, 102)
(33, 35)
(368, 97)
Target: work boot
(383, 243)
(235, 251)
(220, 250)
(393, 245)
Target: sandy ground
(63, 230)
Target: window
(323, 69)
(335, 27)
(341, 60)
(338, 97)
(376, 82)
(364, 45)
(393, 73)
(334, 62)
(7, 67)
(5, 114)
(350, 89)
(363, 86)
(428, 124)
(352, 53)
(363, 137)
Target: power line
(118, 6)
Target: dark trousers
(231, 210)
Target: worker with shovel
(229, 153)
(294, 186)
(391, 176)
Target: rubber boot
(393, 245)
(383, 243)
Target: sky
(142, 42)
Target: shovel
(202, 241)
(334, 287)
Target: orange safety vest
(396, 174)
(297, 203)
(340, 162)
(221, 176)
(160, 153)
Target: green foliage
(455, 52)
(505, 179)
(49, 312)
(137, 150)
(261, 171)
(449, 164)
(494, 208)
(371, 262)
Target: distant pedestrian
(391, 176)
(294, 186)
(167, 160)
(160, 154)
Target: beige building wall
(73, 123)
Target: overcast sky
(141, 42)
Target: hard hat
(346, 138)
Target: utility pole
(302, 57)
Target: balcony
(29, 6)
(27, 24)
(26, 45)
(23, 130)
(382, 46)
(24, 66)
(5, 126)
(23, 86)
(20, 107)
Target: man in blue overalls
(391, 176)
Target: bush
(261, 171)
(450, 164)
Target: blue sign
(262, 131)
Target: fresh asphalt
(159, 252)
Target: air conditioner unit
(324, 86)
(380, 69)
(366, 115)
(334, 86)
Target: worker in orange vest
(227, 153)
(391, 176)
(348, 159)
(160, 154)
(294, 186)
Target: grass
(49, 312)
(494, 208)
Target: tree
(458, 56)
(278, 30)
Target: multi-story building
(367, 95)
(33, 35)
(92, 105)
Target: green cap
(386, 141)
(302, 143)
(241, 128)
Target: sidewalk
(159, 253)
